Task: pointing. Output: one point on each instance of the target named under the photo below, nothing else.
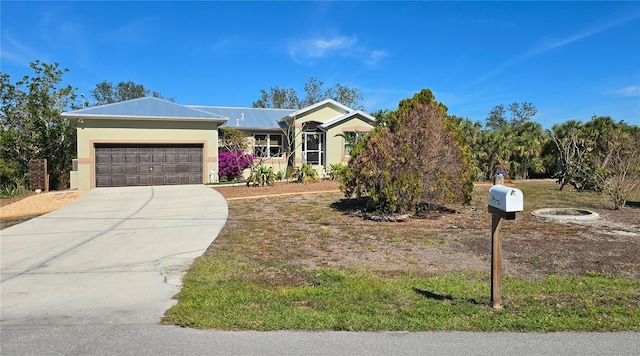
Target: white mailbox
(506, 199)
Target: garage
(142, 142)
(148, 164)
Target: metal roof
(248, 118)
(146, 108)
(242, 118)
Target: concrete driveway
(116, 255)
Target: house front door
(313, 148)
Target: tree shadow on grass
(443, 297)
(359, 206)
(349, 206)
(633, 204)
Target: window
(268, 145)
(350, 139)
(312, 147)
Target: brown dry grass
(324, 230)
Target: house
(150, 141)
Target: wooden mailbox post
(504, 202)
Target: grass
(328, 299)
(302, 263)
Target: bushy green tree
(231, 138)
(512, 140)
(33, 128)
(107, 93)
(287, 98)
(472, 134)
(417, 156)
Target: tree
(521, 113)
(313, 91)
(572, 150)
(232, 156)
(528, 146)
(106, 93)
(230, 138)
(618, 172)
(419, 157)
(472, 135)
(287, 98)
(519, 139)
(32, 126)
(278, 98)
(497, 145)
(600, 155)
(382, 117)
(496, 120)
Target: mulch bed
(242, 191)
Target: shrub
(261, 175)
(305, 173)
(418, 157)
(13, 190)
(232, 163)
(337, 171)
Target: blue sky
(572, 60)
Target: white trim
(346, 116)
(321, 147)
(320, 104)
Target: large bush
(233, 163)
(418, 156)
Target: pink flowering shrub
(232, 163)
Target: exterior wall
(320, 115)
(93, 131)
(277, 164)
(335, 144)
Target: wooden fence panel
(38, 176)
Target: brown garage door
(130, 165)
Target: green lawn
(356, 300)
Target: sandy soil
(38, 204)
(18, 209)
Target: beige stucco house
(149, 141)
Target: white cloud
(375, 57)
(320, 47)
(309, 50)
(632, 91)
(558, 43)
(15, 51)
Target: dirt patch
(286, 232)
(19, 209)
(242, 191)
